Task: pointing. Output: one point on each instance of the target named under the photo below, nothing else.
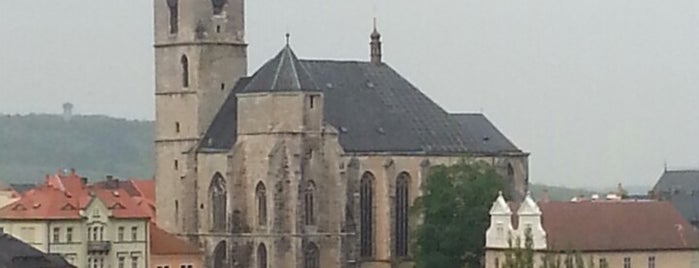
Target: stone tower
(200, 53)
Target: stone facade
(259, 173)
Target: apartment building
(89, 226)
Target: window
(219, 202)
(185, 71)
(627, 262)
(69, 234)
(603, 263)
(401, 220)
(95, 233)
(309, 204)
(174, 15)
(177, 212)
(134, 233)
(497, 262)
(311, 258)
(219, 255)
(101, 233)
(569, 262)
(120, 233)
(366, 207)
(56, 234)
(2, 230)
(261, 196)
(134, 261)
(223, 86)
(218, 6)
(261, 256)
(89, 233)
(312, 100)
(651, 262)
(177, 128)
(122, 260)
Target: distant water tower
(67, 111)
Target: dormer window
(218, 6)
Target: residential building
(304, 163)
(17, 254)
(620, 233)
(90, 227)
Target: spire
(375, 45)
(283, 73)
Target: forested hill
(34, 145)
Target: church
(302, 163)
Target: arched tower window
(218, 196)
(218, 6)
(401, 207)
(311, 256)
(261, 256)
(174, 15)
(510, 182)
(185, 71)
(219, 256)
(261, 196)
(366, 207)
(309, 204)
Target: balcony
(99, 246)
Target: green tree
(454, 214)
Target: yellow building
(618, 233)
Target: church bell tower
(200, 53)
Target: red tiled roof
(62, 197)
(164, 243)
(616, 226)
(146, 188)
(44, 202)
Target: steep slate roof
(164, 243)
(282, 73)
(616, 226)
(684, 180)
(480, 135)
(681, 188)
(17, 254)
(375, 110)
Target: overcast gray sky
(599, 91)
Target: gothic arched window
(510, 181)
(311, 256)
(261, 196)
(218, 6)
(366, 207)
(261, 256)
(174, 15)
(218, 197)
(309, 204)
(219, 257)
(185, 71)
(401, 220)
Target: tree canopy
(454, 214)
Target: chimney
(72, 172)
(376, 53)
(110, 177)
(83, 180)
(545, 196)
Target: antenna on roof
(288, 35)
(665, 165)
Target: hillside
(34, 145)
